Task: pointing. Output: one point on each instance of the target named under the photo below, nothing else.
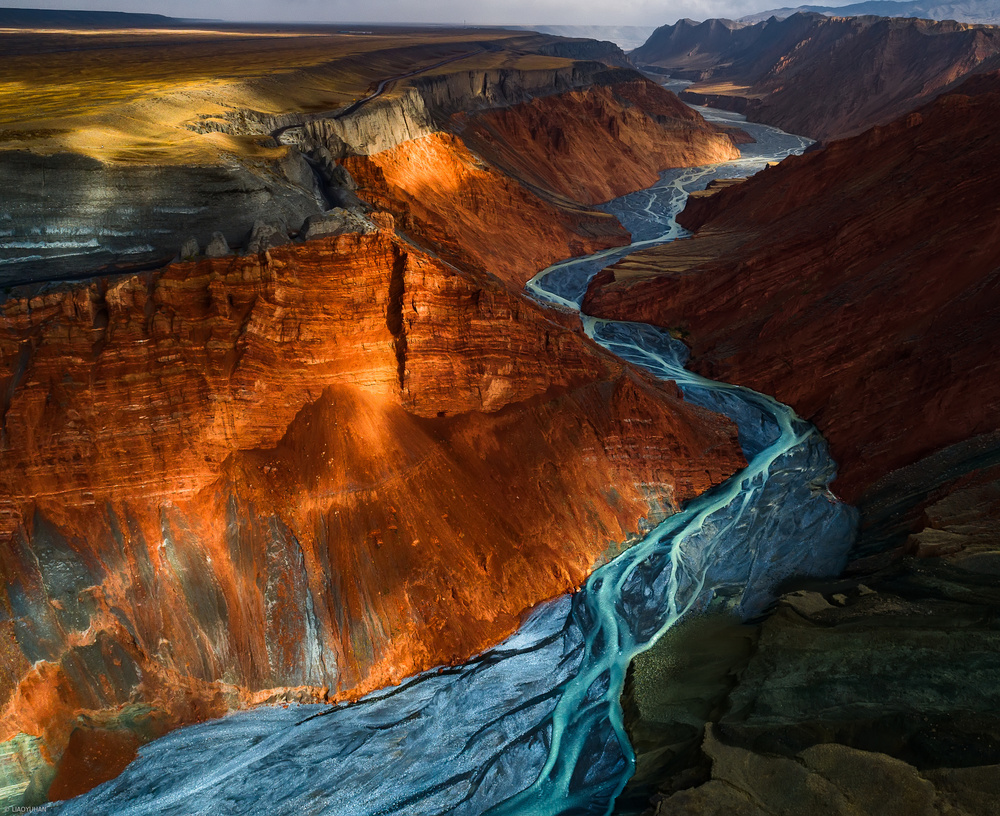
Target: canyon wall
(346, 453)
(70, 214)
(858, 284)
(822, 77)
(298, 475)
(505, 193)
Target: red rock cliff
(858, 284)
(300, 475)
(509, 193)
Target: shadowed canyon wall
(857, 284)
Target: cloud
(512, 12)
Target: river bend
(534, 727)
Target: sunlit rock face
(600, 143)
(505, 194)
(822, 77)
(298, 475)
(857, 284)
(475, 215)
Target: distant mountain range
(964, 11)
(819, 76)
(48, 18)
(625, 37)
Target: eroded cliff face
(597, 144)
(822, 77)
(474, 215)
(422, 105)
(857, 284)
(508, 193)
(302, 474)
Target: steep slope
(689, 49)
(822, 77)
(597, 144)
(126, 143)
(474, 215)
(301, 474)
(509, 193)
(858, 284)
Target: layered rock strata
(596, 144)
(857, 284)
(505, 194)
(301, 474)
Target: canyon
(830, 258)
(315, 480)
(822, 77)
(822, 280)
(323, 449)
(214, 504)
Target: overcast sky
(499, 12)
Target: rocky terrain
(508, 193)
(823, 281)
(300, 475)
(327, 446)
(831, 257)
(873, 694)
(127, 172)
(332, 445)
(822, 77)
(231, 166)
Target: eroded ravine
(534, 726)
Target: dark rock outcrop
(67, 215)
(875, 693)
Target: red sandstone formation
(299, 475)
(601, 143)
(520, 210)
(474, 215)
(859, 284)
(823, 77)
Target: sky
(499, 12)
